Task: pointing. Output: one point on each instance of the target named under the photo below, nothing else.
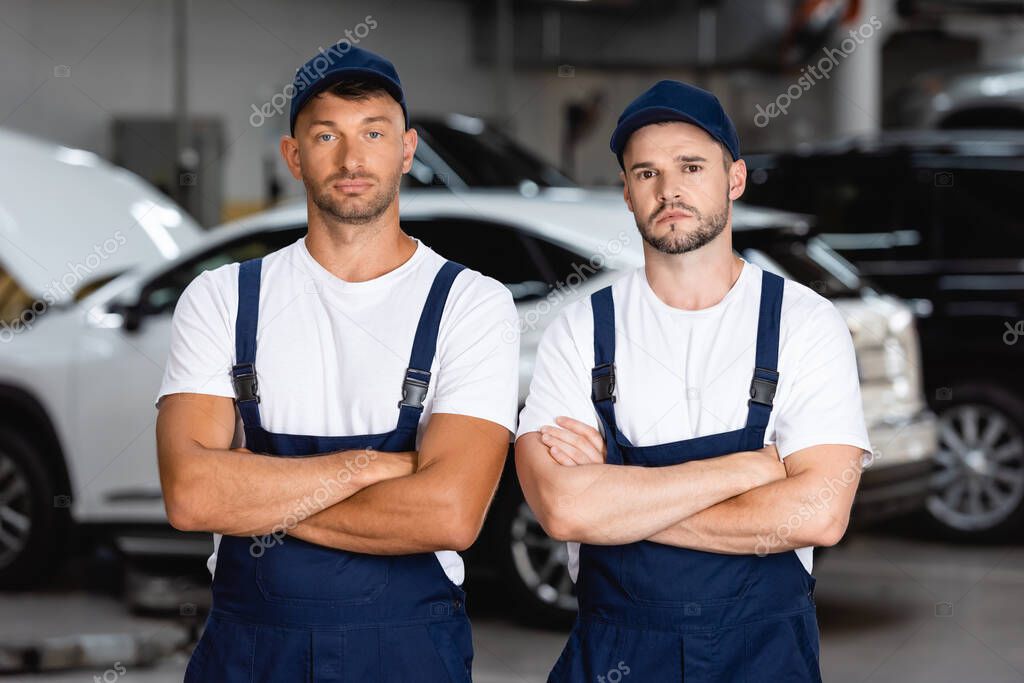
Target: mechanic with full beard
(680, 422)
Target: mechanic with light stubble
(693, 430)
(377, 395)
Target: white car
(88, 371)
(69, 222)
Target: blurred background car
(932, 217)
(964, 97)
(105, 222)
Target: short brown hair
(356, 89)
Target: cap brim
(645, 117)
(348, 74)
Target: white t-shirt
(331, 355)
(683, 374)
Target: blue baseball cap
(343, 62)
(675, 101)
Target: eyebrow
(368, 119)
(682, 159)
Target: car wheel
(535, 565)
(32, 521)
(978, 482)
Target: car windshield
(481, 156)
(809, 262)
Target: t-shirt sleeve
(822, 402)
(561, 376)
(202, 341)
(478, 354)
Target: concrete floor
(890, 609)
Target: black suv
(932, 216)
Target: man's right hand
(391, 465)
(765, 465)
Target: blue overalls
(652, 612)
(285, 610)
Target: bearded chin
(357, 214)
(707, 229)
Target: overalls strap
(602, 390)
(417, 375)
(766, 357)
(243, 372)
(424, 345)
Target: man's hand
(767, 464)
(441, 506)
(576, 443)
(209, 486)
(406, 461)
(761, 520)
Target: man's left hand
(573, 442)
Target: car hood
(67, 218)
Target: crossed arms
(362, 501)
(741, 503)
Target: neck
(358, 252)
(697, 279)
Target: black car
(931, 216)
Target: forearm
(422, 512)
(242, 494)
(615, 504)
(773, 518)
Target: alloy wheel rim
(979, 477)
(15, 510)
(541, 561)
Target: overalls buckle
(414, 390)
(603, 384)
(243, 379)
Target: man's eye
(692, 168)
(324, 136)
(645, 175)
(375, 134)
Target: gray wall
(118, 58)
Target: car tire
(978, 482)
(33, 520)
(533, 565)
